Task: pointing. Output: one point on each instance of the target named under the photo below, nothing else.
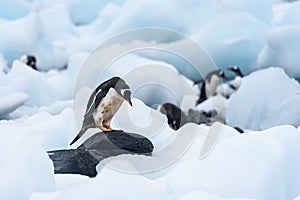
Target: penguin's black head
(123, 89)
(29, 60)
(222, 74)
(236, 70)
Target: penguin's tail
(81, 132)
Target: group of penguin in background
(108, 97)
(210, 86)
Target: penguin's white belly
(108, 107)
(212, 86)
(236, 83)
(225, 90)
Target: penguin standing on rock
(209, 85)
(29, 60)
(103, 104)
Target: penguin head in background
(123, 89)
(29, 60)
(222, 75)
(236, 70)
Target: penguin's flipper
(94, 101)
(202, 96)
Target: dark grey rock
(86, 157)
(74, 161)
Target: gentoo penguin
(29, 60)
(176, 118)
(209, 85)
(227, 89)
(236, 82)
(104, 102)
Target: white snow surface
(265, 99)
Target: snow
(198, 194)
(26, 169)
(39, 110)
(11, 102)
(282, 40)
(217, 103)
(20, 8)
(264, 167)
(261, 101)
(268, 169)
(280, 50)
(229, 43)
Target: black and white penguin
(29, 60)
(103, 104)
(176, 118)
(237, 81)
(209, 85)
(228, 88)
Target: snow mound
(286, 113)
(24, 79)
(101, 187)
(281, 49)
(20, 9)
(268, 160)
(236, 45)
(286, 14)
(11, 102)
(198, 194)
(262, 95)
(27, 169)
(260, 158)
(217, 103)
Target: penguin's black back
(202, 95)
(100, 92)
(176, 118)
(31, 61)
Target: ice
(282, 40)
(285, 14)
(3, 65)
(236, 45)
(101, 188)
(217, 103)
(235, 160)
(36, 106)
(27, 169)
(260, 10)
(267, 160)
(20, 8)
(297, 198)
(24, 79)
(11, 102)
(198, 194)
(15, 42)
(144, 120)
(261, 95)
(281, 48)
